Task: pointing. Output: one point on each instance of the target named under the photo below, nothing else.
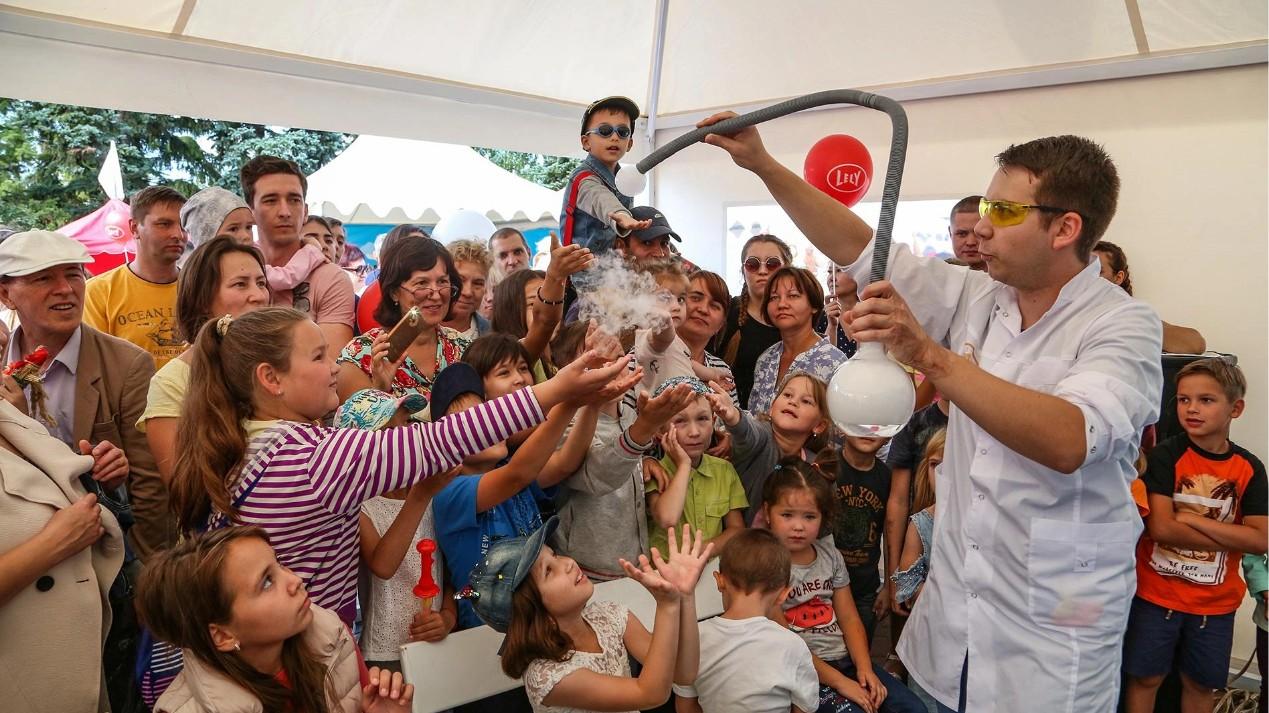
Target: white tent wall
(1191, 150)
(72, 70)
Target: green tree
(50, 155)
(549, 171)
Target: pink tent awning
(106, 235)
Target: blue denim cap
(371, 409)
(506, 565)
(451, 382)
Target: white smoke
(618, 298)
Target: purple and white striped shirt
(304, 484)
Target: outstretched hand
(586, 379)
(687, 560)
(568, 260)
(659, 587)
(659, 409)
(626, 222)
(721, 402)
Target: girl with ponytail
(251, 450)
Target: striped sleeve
(350, 466)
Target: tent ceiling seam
(1179, 60)
(1138, 27)
(182, 19)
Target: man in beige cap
(96, 384)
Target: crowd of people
(217, 460)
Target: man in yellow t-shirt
(137, 301)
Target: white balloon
(630, 181)
(870, 395)
(463, 224)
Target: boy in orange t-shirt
(1207, 507)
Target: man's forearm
(829, 225)
(1044, 428)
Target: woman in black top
(747, 333)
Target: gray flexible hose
(894, 169)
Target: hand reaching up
(687, 560)
(658, 586)
(720, 401)
(568, 260)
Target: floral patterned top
(608, 619)
(408, 379)
(819, 361)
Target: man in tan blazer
(95, 385)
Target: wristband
(545, 301)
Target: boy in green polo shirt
(703, 490)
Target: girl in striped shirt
(251, 450)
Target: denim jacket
(577, 226)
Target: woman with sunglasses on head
(747, 333)
(417, 272)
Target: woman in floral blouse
(793, 301)
(416, 272)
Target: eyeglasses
(607, 130)
(1005, 213)
(421, 290)
(754, 264)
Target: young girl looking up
(794, 426)
(914, 562)
(574, 654)
(797, 501)
(252, 453)
(250, 637)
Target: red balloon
(366, 307)
(840, 166)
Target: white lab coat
(1032, 570)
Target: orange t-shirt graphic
(1224, 487)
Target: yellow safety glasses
(1005, 213)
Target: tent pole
(654, 85)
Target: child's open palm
(687, 560)
(658, 586)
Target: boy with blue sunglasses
(595, 213)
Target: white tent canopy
(517, 74)
(384, 180)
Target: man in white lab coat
(1051, 375)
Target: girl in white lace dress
(572, 652)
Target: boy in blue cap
(595, 213)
